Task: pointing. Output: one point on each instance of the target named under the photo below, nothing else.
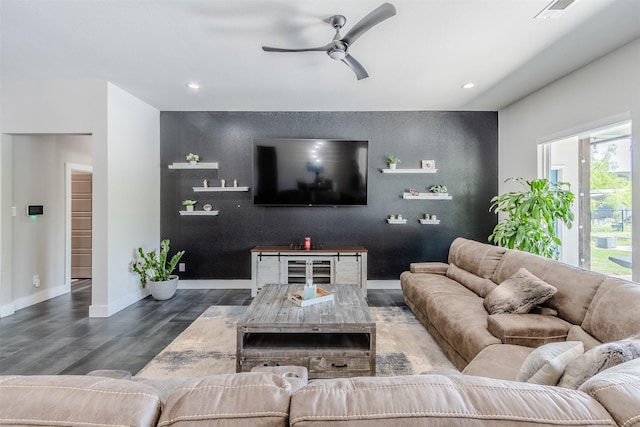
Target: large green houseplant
(533, 215)
(155, 268)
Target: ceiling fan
(338, 48)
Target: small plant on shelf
(189, 204)
(193, 158)
(393, 161)
(438, 189)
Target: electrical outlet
(36, 280)
(182, 267)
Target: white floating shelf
(429, 221)
(200, 165)
(396, 221)
(408, 170)
(212, 189)
(196, 213)
(427, 196)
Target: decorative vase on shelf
(189, 208)
(193, 162)
(392, 165)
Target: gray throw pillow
(598, 359)
(546, 364)
(518, 294)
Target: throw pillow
(545, 365)
(598, 359)
(518, 294)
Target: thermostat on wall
(35, 210)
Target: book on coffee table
(297, 297)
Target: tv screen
(310, 172)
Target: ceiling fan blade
(376, 16)
(357, 67)
(324, 48)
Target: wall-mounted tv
(310, 172)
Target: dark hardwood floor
(58, 337)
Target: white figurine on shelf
(222, 183)
(205, 183)
(235, 182)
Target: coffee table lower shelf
(325, 355)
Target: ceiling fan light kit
(338, 48)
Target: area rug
(208, 346)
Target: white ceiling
(417, 60)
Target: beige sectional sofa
(449, 299)
(266, 399)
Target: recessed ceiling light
(468, 85)
(193, 85)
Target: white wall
(39, 243)
(606, 91)
(6, 257)
(118, 124)
(133, 208)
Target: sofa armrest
(76, 400)
(616, 389)
(429, 267)
(529, 330)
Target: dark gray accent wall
(463, 144)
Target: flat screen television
(310, 172)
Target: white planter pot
(189, 208)
(392, 165)
(164, 290)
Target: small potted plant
(438, 189)
(193, 158)
(189, 204)
(154, 268)
(393, 161)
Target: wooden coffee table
(331, 339)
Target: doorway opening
(81, 220)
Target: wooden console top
(333, 249)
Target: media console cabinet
(331, 264)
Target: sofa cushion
(597, 360)
(477, 258)
(614, 313)
(518, 294)
(252, 398)
(66, 400)
(475, 283)
(546, 364)
(439, 400)
(428, 267)
(576, 287)
(531, 330)
(500, 361)
(459, 317)
(576, 333)
(617, 389)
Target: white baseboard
(215, 284)
(40, 296)
(110, 309)
(383, 284)
(7, 310)
(246, 284)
